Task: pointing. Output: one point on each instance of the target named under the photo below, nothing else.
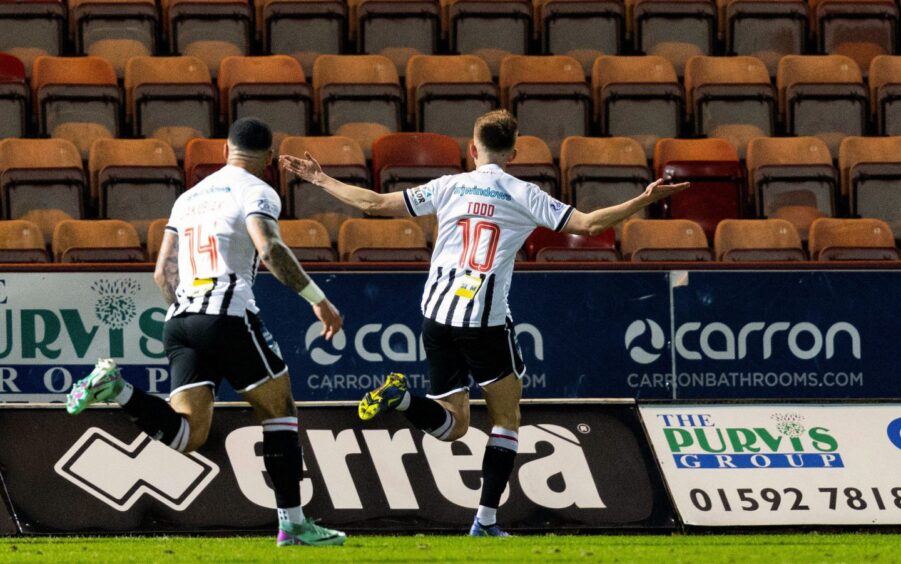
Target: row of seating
(675, 29)
(367, 240)
(791, 178)
(174, 99)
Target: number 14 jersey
(484, 217)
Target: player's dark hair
(250, 134)
(496, 131)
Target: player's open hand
(307, 168)
(330, 317)
(657, 190)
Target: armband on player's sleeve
(312, 293)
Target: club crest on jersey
(556, 205)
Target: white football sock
(486, 516)
(404, 402)
(291, 514)
(124, 394)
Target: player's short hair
(496, 131)
(250, 134)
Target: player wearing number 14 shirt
(484, 217)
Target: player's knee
(461, 426)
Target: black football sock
(430, 416)
(155, 416)
(283, 459)
(497, 465)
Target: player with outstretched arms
(484, 217)
(217, 234)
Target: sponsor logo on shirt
(483, 192)
(421, 195)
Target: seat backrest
(413, 149)
(163, 70)
(11, 68)
(532, 150)
(272, 69)
(767, 29)
(304, 233)
(669, 150)
(38, 153)
(20, 234)
(72, 70)
(199, 152)
(815, 69)
(826, 233)
(765, 151)
(91, 234)
(640, 234)
(543, 238)
(600, 151)
(519, 69)
(127, 152)
(378, 233)
(426, 69)
(155, 233)
(703, 71)
(610, 69)
(353, 69)
(884, 70)
(755, 234)
(858, 150)
(329, 150)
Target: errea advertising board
(780, 464)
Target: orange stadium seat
(533, 163)
(155, 233)
(170, 98)
(397, 29)
(871, 172)
(637, 97)
(757, 240)
(203, 157)
(858, 29)
(823, 96)
(548, 95)
(209, 30)
(544, 245)
(583, 30)
(674, 29)
(362, 240)
(766, 29)
(885, 94)
(272, 88)
(136, 180)
(664, 240)
(792, 178)
(712, 167)
(21, 241)
(851, 239)
(76, 98)
(324, 24)
(341, 158)
(731, 98)
(115, 30)
(446, 93)
(14, 97)
(31, 29)
(491, 29)
(308, 240)
(101, 240)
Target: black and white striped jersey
(484, 217)
(217, 262)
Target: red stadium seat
(401, 160)
(13, 97)
(544, 245)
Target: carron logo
(718, 341)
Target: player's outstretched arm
(594, 222)
(282, 263)
(166, 273)
(373, 203)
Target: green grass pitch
(742, 549)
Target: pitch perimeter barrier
(581, 466)
(642, 333)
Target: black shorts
(204, 349)
(461, 356)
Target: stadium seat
(14, 97)
(871, 173)
(674, 29)
(308, 240)
(491, 29)
(548, 95)
(766, 29)
(324, 24)
(21, 241)
(533, 163)
(544, 245)
(203, 157)
(341, 158)
(823, 96)
(757, 240)
(397, 29)
(356, 89)
(730, 98)
(885, 94)
(851, 239)
(46, 220)
(136, 180)
(155, 233)
(100, 240)
(446, 93)
(77, 99)
(792, 178)
(716, 176)
(31, 28)
(583, 30)
(272, 89)
(209, 30)
(664, 240)
(170, 98)
(115, 30)
(364, 134)
(402, 160)
(40, 174)
(637, 97)
(362, 240)
(858, 29)
(601, 172)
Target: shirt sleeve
(421, 199)
(546, 210)
(261, 199)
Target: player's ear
(225, 151)
(473, 150)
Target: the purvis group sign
(780, 464)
